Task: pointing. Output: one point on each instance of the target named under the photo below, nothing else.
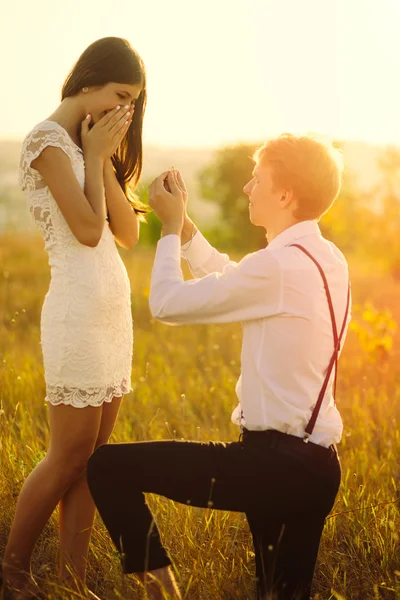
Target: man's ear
(287, 198)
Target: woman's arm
(84, 212)
(123, 221)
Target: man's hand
(182, 186)
(189, 228)
(168, 206)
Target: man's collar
(295, 232)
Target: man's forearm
(188, 231)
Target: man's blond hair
(309, 166)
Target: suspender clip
(306, 438)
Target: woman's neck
(69, 115)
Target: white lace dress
(86, 321)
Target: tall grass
(183, 386)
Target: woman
(76, 167)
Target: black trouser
(285, 487)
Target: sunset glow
(220, 71)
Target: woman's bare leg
(73, 436)
(77, 511)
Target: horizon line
(238, 142)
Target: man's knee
(98, 466)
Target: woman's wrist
(93, 158)
(108, 166)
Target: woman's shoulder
(45, 131)
(43, 134)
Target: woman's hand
(103, 139)
(169, 206)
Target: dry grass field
(183, 386)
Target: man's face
(264, 197)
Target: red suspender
(337, 339)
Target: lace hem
(80, 398)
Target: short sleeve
(44, 135)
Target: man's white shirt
(278, 295)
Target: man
(293, 301)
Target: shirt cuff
(169, 245)
(197, 251)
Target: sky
(219, 71)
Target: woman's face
(100, 100)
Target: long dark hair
(112, 59)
